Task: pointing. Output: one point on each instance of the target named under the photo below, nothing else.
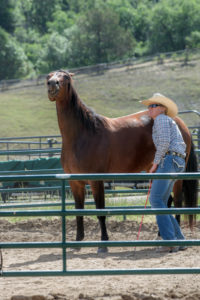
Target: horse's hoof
(102, 250)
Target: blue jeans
(160, 192)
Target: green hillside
(116, 92)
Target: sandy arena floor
(127, 287)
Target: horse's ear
(71, 74)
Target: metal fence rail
(64, 212)
(31, 152)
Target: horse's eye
(66, 77)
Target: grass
(27, 112)
(116, 92)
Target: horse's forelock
(68, 74)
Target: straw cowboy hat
(172, 109)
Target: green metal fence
(63, 212)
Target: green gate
(64, 212)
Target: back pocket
(179, 164)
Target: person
(169, 158)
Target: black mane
(89, 119)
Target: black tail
(190, 187)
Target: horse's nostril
(53, 84)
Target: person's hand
(153, 168)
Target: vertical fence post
(40, 141)
(198, 141)
(63, 226)
(29, 148)
(7, 147)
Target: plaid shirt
(166, 137)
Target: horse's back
(130, 143)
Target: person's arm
(153, 168)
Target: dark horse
(96, 144)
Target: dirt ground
(127, 287)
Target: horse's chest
(69, 162)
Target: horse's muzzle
(53, 89)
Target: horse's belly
(131, 163)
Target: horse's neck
(69, 124)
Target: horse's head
(58, 84)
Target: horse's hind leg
(98, 193)
(178, 197)
(78, 190)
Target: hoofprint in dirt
(127, 287)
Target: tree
(42, 12)
(24, 15)
(13, 61)
(193, 41)
(7, 17)
(53, 55)
(80, 6)
(171, 22)
(61, 21)
(98, 38)
(125, 12)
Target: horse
(93, 143)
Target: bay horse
(92, 143)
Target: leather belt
(175, 154)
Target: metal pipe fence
(48, 146)
(19, 188)
(197, 131)
(45, 143)
(63, 212)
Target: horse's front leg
(78, 190)
(98, 193)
